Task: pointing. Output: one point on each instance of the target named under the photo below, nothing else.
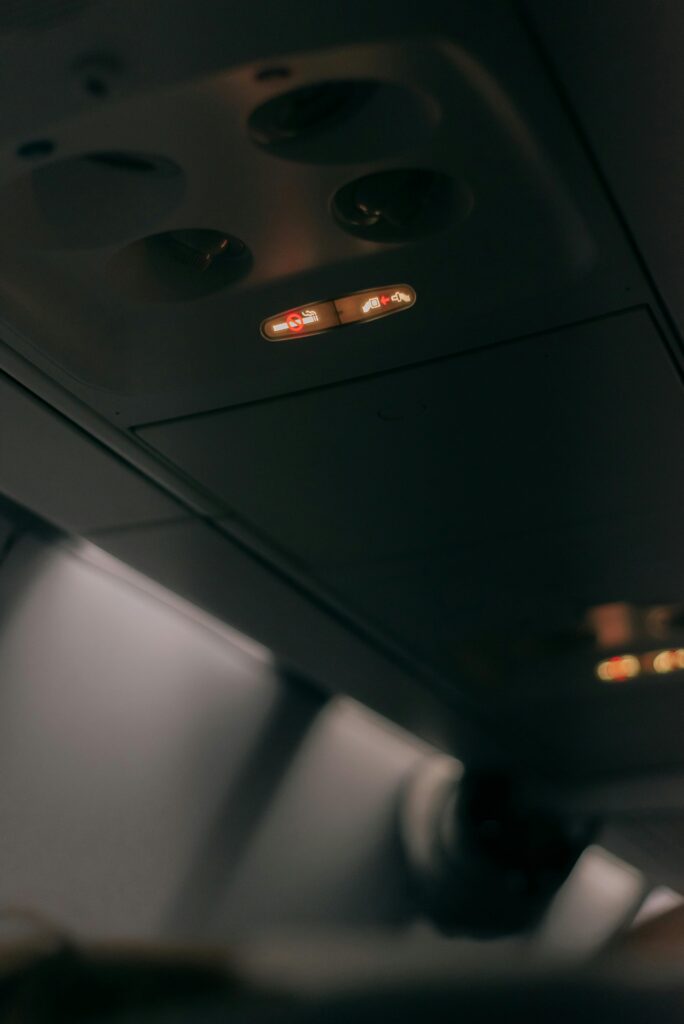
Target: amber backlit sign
(317, 317)
(622, 667)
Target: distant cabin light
(618, 669)
(623, 667)
(317, 317)
(668, 661)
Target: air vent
(344, 121)
(179, 266)
(399, 205)
(125, 162)
(303, 112)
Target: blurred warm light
(612, 624)
(622, 667)
(668, 661)
(621, 625)
(618, 669)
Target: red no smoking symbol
(294, 322)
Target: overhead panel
(547, 432)
(503, 490)
(147, 240)
(54, 469)
(634, 127)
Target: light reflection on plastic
(623, 667)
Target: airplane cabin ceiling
(388, 505)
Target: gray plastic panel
(57, 471)
(549, 431)
(198, 562)
(634, 126)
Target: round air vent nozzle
(344, 121)
(400, 205)
(180, 266)
(297, 115)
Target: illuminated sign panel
(622, 667)
(317, 317)
(369, 305)
(312, 319)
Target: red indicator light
(385, 299)
(294, 322)
(618, 669)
